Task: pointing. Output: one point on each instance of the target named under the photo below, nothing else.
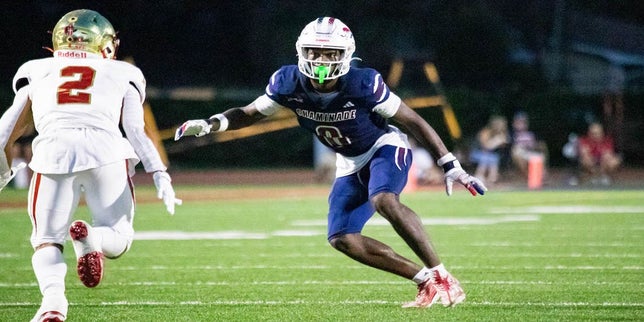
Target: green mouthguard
(321, 71)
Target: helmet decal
(69, 30)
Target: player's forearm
(234, 118)
(428, 139)
(144, 149)
(134, 127)
(421, 130)
(435, 145)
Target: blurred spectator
(525, 144)
(22, 153)
(425, 168)
(490, 141)
(323, 162)
(597, 155)
(570, 151)
(613, 103)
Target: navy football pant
(349, 201)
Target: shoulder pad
(284, 80)
(134, 77)
(360, 82)
(22, 77)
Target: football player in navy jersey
(348, 109)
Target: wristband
(223, 122)
(448, 162)
(451, 165)
(446, 158)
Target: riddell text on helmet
(71, 54)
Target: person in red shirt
(597, 155)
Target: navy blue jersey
(343, 120)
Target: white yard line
(511, 215)
(331, 283)
(573, 268)
(305, 302)
(221, 235)
(546, 244)
(569, 209)
(224, 235)
(357, 266)
(447, 221)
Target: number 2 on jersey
(71, 91)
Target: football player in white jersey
(76, 100)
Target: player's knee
(336, 242)
(341, 243)
(386, 204)
(116, 255)
(381, 201)
(119, 248)
(114, 243)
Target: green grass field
(521, 256)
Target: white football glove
(5, 178)
(192, 127)
(165, 191)
(454, 172)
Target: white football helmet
(85, 30)
(326, 33)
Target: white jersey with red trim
(78, 101)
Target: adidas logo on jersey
(348, 104)
(297, 99)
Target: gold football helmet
(85, 30)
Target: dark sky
(240, 43)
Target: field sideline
(520, 255)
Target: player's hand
(165, 191)
(473, 184)
(5, 178)
(455, 173)
(192, 127)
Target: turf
(520, 256)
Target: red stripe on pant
(35, 199)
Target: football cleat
(52, 309)
(88, 253)
(448, 288)
(50, 316)
(427, 295)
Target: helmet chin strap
(321, 71)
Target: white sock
(50, 269)
(440, 269)
(113, 244)
(423, 275)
